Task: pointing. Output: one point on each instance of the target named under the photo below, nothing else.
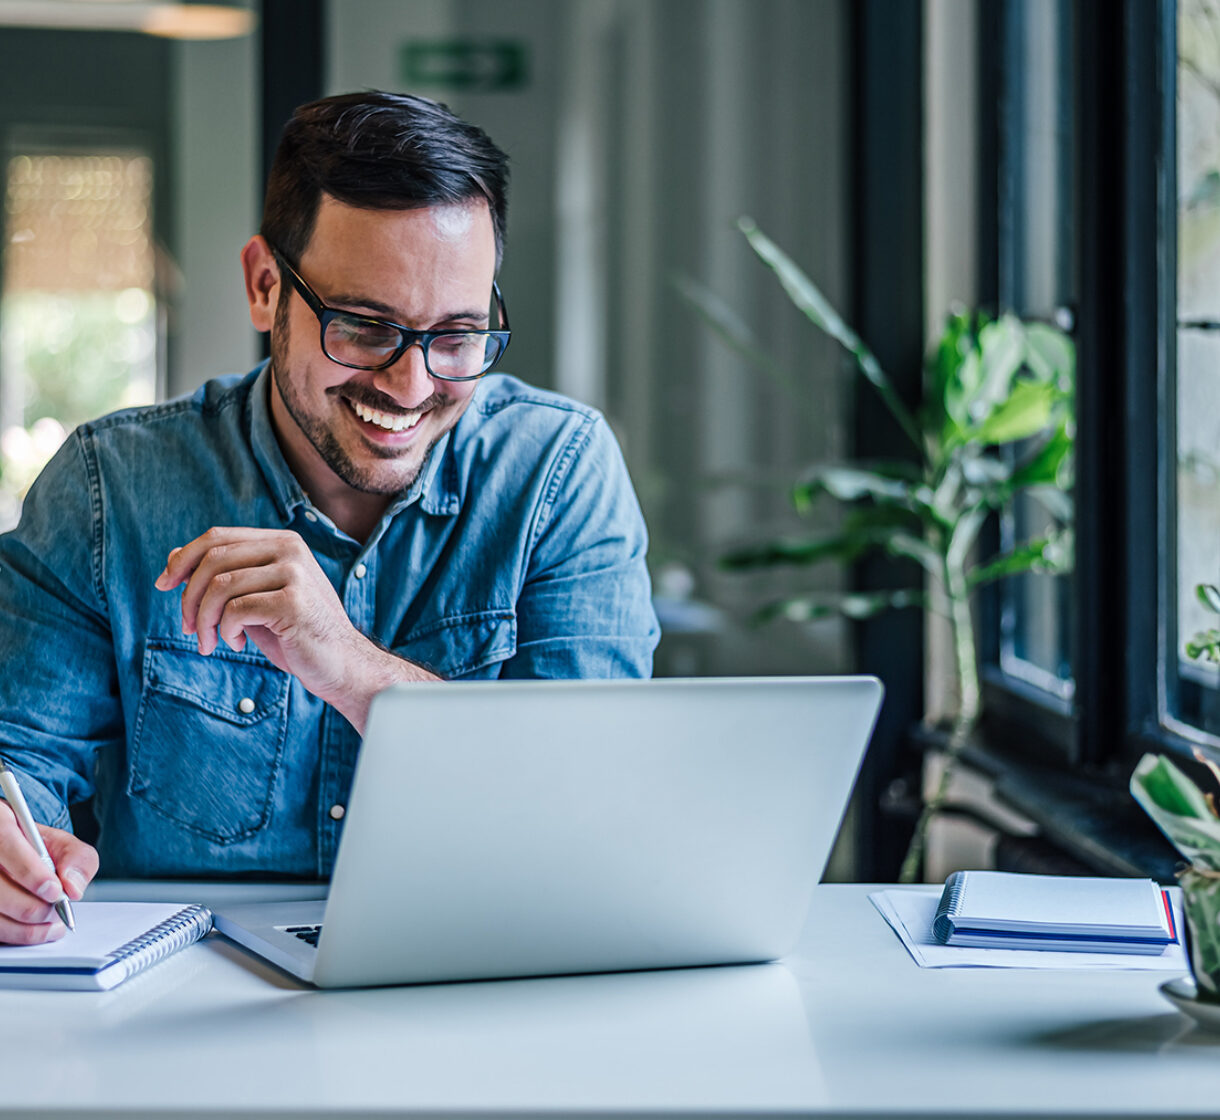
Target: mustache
(371, 398)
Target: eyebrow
(346, 302)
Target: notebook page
(101, 928)
(1086, 905)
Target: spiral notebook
(1006, 910)
(112, 941)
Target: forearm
(369, 669)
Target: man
(203, 596)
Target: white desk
(849, 1027)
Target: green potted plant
(1205, 644)
(1189, 819)
(995, 421)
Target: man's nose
(407, 380)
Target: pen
(16, 800)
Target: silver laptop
(500, 829)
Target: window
(1194, 433)
(77, 308)
(1030, 242)
(1117, 168)
(1036, 278)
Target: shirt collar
(436, 489)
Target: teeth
(399, 422)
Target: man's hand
(28, 889)
(265, 585)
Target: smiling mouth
(386, 421)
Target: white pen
(16, 800)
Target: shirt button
(245, 705)
(310, 515)
(336, 812)
(360, 571)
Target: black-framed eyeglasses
(364, 342)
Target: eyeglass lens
(361, 342)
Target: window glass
(1037, 275)
(1196, 411)
(77, 307)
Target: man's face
(430, 269)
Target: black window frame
(1125, 63)
(1039, 723)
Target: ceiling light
(174, 21)
(197, 21)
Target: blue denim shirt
(517, 552)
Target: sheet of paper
(910, 912)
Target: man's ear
(262, 282)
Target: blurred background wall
(639, 132)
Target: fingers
(28, 888)
(75, 861)
(264, 586)
(20, 863)
(31, 925)
(182, 561)
(225, 573)
(224, 564)
(252, 608)
(165, 581)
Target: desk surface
(847, 1027)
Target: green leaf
(914, 548)
(1051, 555)
(850, 484)
(849, 604)
(956, 341)
(863, 518)
(1046, 474)
(1002, 354)
(732, 330)
(1167, 788)
(961, 387)
(1025, 413)
(984, 470)
(796, 551)
(1205, 644)
(1050, 355)
(854, 541)
(1048, 465)
(853, 484)
(809, 299)
(1058, 503)
(1209, 595)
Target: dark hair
(379, 151)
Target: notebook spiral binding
(189, 924)
(950, 900)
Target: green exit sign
(468, 65)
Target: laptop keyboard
(308, 934)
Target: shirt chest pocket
(209, 739)
(463, 645)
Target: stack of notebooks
(1002, 910)
(996, 919)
